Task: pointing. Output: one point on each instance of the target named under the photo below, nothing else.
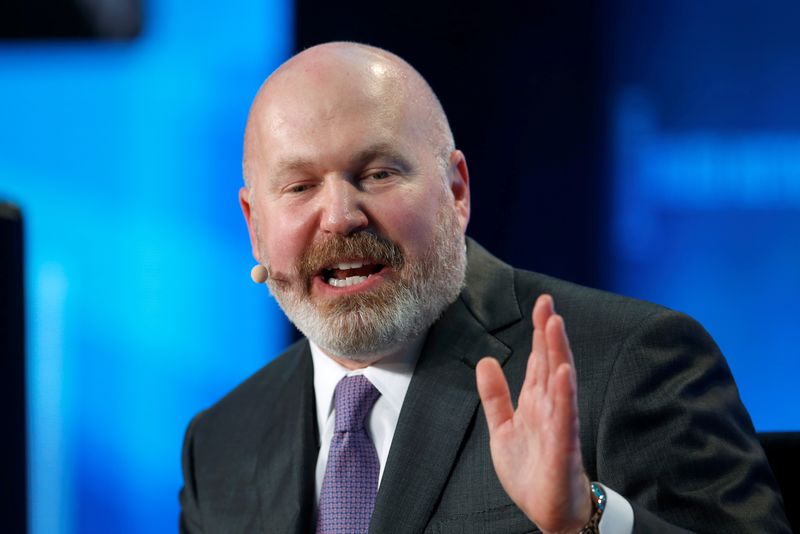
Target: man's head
(356, 199)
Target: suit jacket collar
(489, 292)
(442, 398)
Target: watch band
(598, 505)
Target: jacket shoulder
(574, 299)
(258, 395)
(495, 288)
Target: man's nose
(342, 212)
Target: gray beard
(362, 328)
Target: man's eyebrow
(377, 151)
(382, 151)
(294, 164)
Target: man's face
(360, 223)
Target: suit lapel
(442, 398)
(288, 453)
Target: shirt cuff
(617, 517)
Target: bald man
(492, 411)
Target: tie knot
(354, 396)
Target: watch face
(599, 497)
(598, 505)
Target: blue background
(126, 161)
(125, 158)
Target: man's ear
(458, 178)
(247, 211)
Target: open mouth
(346, 274)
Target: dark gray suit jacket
(661, 423)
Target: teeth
(349, 281)
(345, 266)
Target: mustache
(365, 245)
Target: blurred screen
(706, 151)
(70, 19)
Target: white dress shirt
(391, 377)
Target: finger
(558, 350)
(565, 410)
(493, 390)
(563, 440)
(542, 310)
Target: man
(357, 201)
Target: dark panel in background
(13, 471)
(69, 19)
(521, 85)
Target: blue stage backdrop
(707, 181)
(125, 158)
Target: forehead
(310, 112)
(324, 130)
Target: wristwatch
(598, 505)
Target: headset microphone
(259, 274)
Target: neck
(353, 363)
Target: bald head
(330, 81)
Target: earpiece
(259, 274)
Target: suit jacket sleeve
(674, 438)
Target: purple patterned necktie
(351, 476)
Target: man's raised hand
(535, 449)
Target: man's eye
(379, 175)
(299, 188)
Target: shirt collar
(391, 376)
